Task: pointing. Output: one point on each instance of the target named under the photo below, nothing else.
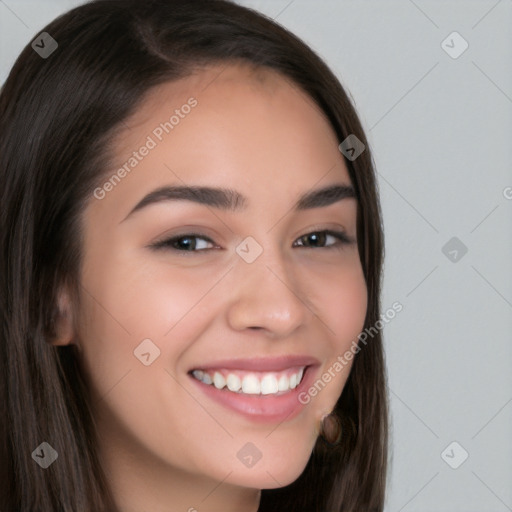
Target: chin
(272, 475)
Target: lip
(262, 408)
(261, 364)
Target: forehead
(248, 129)
(236, 95)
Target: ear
(63, 326)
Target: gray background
(440, 128)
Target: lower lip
(261, 408)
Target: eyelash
(343, 239)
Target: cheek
(130, 299)
(347, 308)
(341, 298)
(132, 309)
(127, 304)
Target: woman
(191, 245)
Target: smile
(252, 382)
(263, 389)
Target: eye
(184, 243)
(318, 238)
(315, 239)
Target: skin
(165, 445)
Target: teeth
(295, 379)
(255, 383)
(218, 380)
(251, 385)
(284, 383)
(233, 382)
(269, 385)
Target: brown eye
(184, 243)
(317, 239)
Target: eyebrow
(234, 201)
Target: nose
(266, 294)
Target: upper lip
(261, 364)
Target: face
(255, 294)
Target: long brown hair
(57, 117)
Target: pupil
(184, 244)
(317, 238)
